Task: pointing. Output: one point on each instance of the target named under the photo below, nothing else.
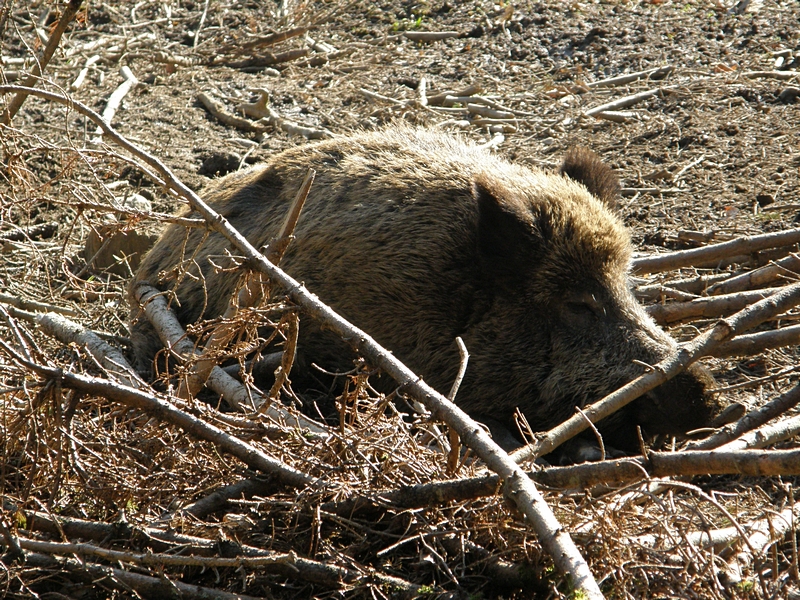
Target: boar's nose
(681, 404)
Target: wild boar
(418, 237)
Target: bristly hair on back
(584, 166)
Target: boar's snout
(679, 405)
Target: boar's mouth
(679, 405)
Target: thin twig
(657, 73)
(623, 102)
(164, 411)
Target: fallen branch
(787, 267)
(430, 36)
(623, 471)
(32, 305)
(762, 533)
(707, 307)
(227, 118)
(669, 367)
(266, 40)
(518, 487)
(715, 252)
(70, 332)
(750, 421)
(782, 75)
(260, 109)
(174, 338)
(489, 113)
(755, 343)
(766, 435)
(78, 83)
(176, 60)
(623, 102)
(288, 565)
(144, 585)
(616, 116)
(265, 60)
(439, 99)
(220, 498)
(115, 100)
(634, 191)
(694, 285)
(657, 73)
(376, 96)
(148, 559)
(755, 463)
(20, 234)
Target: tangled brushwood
(244, 467)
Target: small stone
(765, 199)
(135, 202)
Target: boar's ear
(584, 166)
(507, 244)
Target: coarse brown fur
(418, 237)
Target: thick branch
(754, 343)
(757, 463)
(144, 585)
(714, 306)
(695, 256)
(70, 332)
(786, 267)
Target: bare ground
(712, 156)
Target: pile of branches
(342, 506)
(111, 484)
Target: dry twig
(163, 410)
(260, 109)
(249, 295)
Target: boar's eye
(584, 308)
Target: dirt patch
(710, 155)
